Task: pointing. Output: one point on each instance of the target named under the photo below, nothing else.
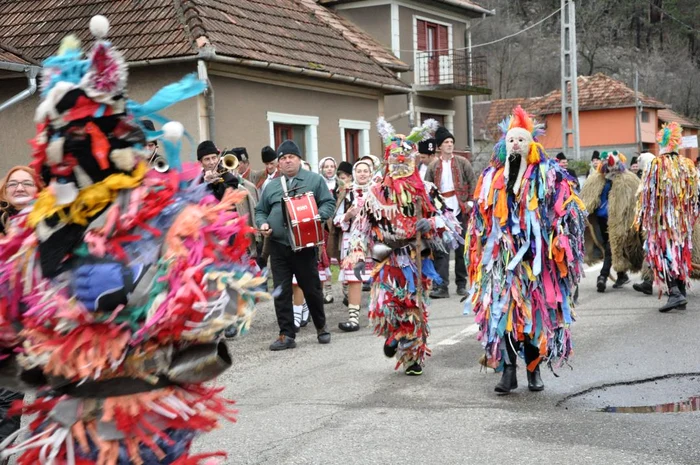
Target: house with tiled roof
(298, 69)
(607, 117)
(431, 36)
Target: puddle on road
(677, 393)
(688, 405)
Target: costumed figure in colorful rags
(525, 255)
(667, 211)
(401, 220)
(609, 195)
(116, 286)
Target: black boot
(675, 300)
(534, 380)
(621, 280)
(509, 380)
(600, 284)
(645, 287)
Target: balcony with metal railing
(450, 73)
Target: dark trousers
(8, 425)
(442, 263)
(303, 264)
(607, 259)
(513, 347)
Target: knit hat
(240, 152)
(268, 154)
(441, 135)
(288, 147)
(345, 167)
(561, 156)
(427, 147)
(206, 148)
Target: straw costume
(115, 288)
(667, 211)
(525, 255)
(397, 207)
(610, 198)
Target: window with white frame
(354, 139)
(302, 129)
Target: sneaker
(440, 293)
(461, 291)
(621, 280)
(414, 370)
(282, 343)
(645, 287)
(323, 336)
(231, 332)
(600, 284)
(390, 348)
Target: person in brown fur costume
(609, 194)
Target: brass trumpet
(160, 164)
(228, 162)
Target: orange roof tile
(666, 115)
(597, 92)
(488, 114)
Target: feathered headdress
(670, 138)
(519, 119)
(408, 143)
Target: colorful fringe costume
(525, 251)
(115, 288)
(667, 211)
(385, 231)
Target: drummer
(283, 260)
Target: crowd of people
(123, 268)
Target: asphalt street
(344, 403)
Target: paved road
(343, 403)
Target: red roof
(11, 55)
(488, 114)
(597, 92)
(666, 115)
(294, 33)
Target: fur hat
(345, 167)
(205, 148)
(427, 147)
(561, 156)
(441, 135)
(595, 155)
(288, 147)
(240, 152)
(268, 154)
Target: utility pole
(470, 99)
(638, 111)
(569, 85)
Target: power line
(484, 44)
(690, 28)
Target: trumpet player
(212, 173)
(151, 144)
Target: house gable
(296, 36)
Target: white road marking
(468, 331)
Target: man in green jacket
(270, 218)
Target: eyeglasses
(14, 184)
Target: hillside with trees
(659, 38)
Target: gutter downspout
(31, 77)
(207, 129)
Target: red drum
(303, 221)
